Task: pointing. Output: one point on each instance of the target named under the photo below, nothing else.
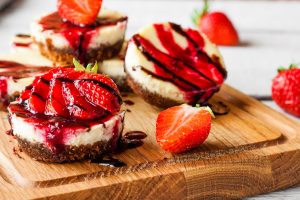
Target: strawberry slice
(183, 127)
(77, 105)
(98, 95)
(101, 79)
(55, 105)
(76, 93)
(39, 95)
(79, 12)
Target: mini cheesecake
(169, 65)
(67, 115)
(60, 40)
(113, 67)
(14, 77)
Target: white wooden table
(269, 30)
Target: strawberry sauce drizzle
(78, 37)
(59, 107)
(3, 90)
(56, 130)
(14, 70)
(190, 69)
(19, 44)
(18, 70)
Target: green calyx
(197, 15)
(281, 68)
(207, 109)
(90, 68)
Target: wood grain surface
(270, 38)
(251, 150)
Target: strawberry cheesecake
(61, 40)
(113, 67)
(169, 65)
(14, 77)
(67, 115)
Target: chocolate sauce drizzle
(128, 102)
(199, 94)
(131, 139)
(179, 30)
(108, 161)
(218, 107)
(21, 35)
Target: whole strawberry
(217, 26)
(286, 89)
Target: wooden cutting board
(251, 150)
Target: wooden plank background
(269, 30)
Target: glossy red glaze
(64, 92)
(79, 37)
(18, 70)
(190, 68)
(56, 131)
(3, 88)
(18, 44)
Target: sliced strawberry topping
(39, 94)
(181, 128)
(79, 12)
(55, 104)
(94, 92)
(65, 92)
(77, 104)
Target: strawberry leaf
(78, 66)
(95, 68)
(197, 15)
(90, 68)
(293, 66)
(281, 69)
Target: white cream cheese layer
(135, 59)
(106, 35)
(99, 132)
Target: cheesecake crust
(40, 152)
(150, 97)
(64, 57)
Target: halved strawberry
(183, 127)
(79, 12)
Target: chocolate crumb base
(64, 57)
(150, 97)
(40, 152)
